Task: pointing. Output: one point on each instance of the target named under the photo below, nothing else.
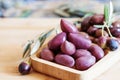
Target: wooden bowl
(66, 73)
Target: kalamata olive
(56, 42)
(91, 30)
(85, 62)
(115, 31)
(92, 38)
(79, 41)
(65, 60)
(95, 40)
(68, 27)
(47, 54)
(97, 19)
(85, 24)
(68, 48)
(98, 33)
(112, 44)
(24, 68)
(106, 51)
(80, 53)
(84, 34)
(96, 51)
(116, 24)
(102, 41)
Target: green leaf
(35, 47)
(27, 54)
(44, 36)
(111, 13)
(108, 13)
(40, 41)
(26, 48)
(98, 26)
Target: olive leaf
(27, 48)
(27, 54)
(98, 26)
(108, 12)
(40, 41)
(44, 36)
(36, 46)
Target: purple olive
(80, 53)
(65, 60)
(56, 42)
(68, 27)
(112, 44)
(102, 41)
(85, 24)
(79, 41)
(98, 33)
(97, 19)
(92, 38)
(85, 62)
(91, 30)
(115, 31)
(47, 54)
(68, 48)
(84, 34)
(96, 51)
(24, 68)
(116, 24)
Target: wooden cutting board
(15, 32)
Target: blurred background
(52, 8)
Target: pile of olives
(81, 48)
(105, 41)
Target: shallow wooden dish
(66, 73)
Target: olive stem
(102, 31)
(29, 61)
(26, 60)
(108, 29)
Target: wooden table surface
(15, 32)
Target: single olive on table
(24, 68)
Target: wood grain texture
(15, 32)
